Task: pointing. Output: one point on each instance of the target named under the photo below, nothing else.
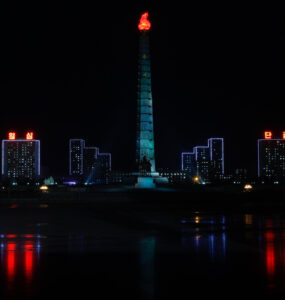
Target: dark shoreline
(231, 198)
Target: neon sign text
(29, 136)
(268, 135)
(12, 135)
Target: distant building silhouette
(90, 157)
(86, 164)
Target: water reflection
(18, 256)
(270, 253)
(209, 237)
(11, 265)
(214, 244)
(147, 252)
(248, 219)
(29, 249)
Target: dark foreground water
(49, 251)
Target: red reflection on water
(11, 236)
(270, 253)
(11, 265)
(29, 259)
(269, 223)
(14, 206)
(29, 236)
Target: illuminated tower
(145, 158)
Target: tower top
(144, 24)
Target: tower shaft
(145, 136)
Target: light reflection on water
(219, 241)
(211, 237)
(19, 257)
(147, 255)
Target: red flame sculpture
(144, 24)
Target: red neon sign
(268, 135)
(12, 135)
(29, 136)
(144, 24)
(283, 135)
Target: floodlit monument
(145, 153)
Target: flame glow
(144, 24)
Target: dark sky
(71, 72)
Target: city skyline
(86, 87)
(142, 149)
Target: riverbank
(195, 197)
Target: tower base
(150, 181)
(145, 183)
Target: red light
(144, 24)
(29, 259)
(29, 136)
(268, 135)
(12, 135)
(270, 253)
(11, 236)
(11, 248)
(29, 235)
(283, 135)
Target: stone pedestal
(149, 181)
(145, 183)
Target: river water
(48, 251)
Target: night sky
(71, 72)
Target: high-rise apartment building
(86, 163)
(216, 147)
(90, 164)
(21, 158)
(202, 157)
(76, 148)
(207, 162)
(271, 159)
(188, 163)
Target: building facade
(90, 165)
(188, 163)
(21, 160)
(104, 162)
(202, 157)
(174, 176)
(76, 148)
(87, 164)
(271, 159)
(216, 148)
(206, 162)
